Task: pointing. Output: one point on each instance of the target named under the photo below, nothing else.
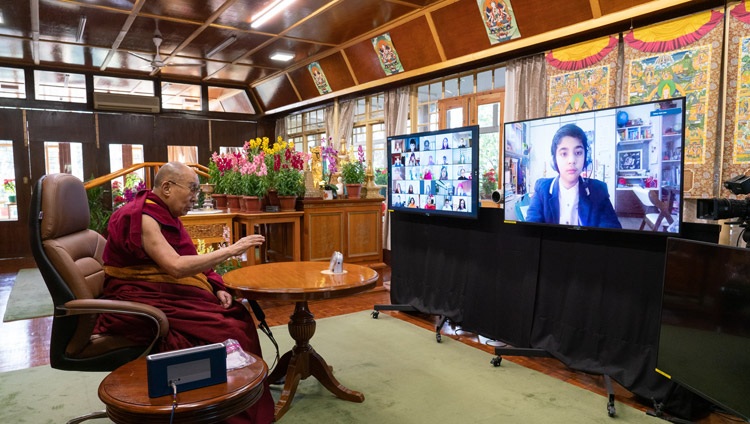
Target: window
(472, 98)
(12, 83)
(8, 206)
(369, 129)
(184, 154)
(181, 96)
(229, 100)
(63, 157)
(306, 129)
(60, 86)
(123, 156)
(134, 87)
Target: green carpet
(29, 297)
(405, 375)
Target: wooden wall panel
(232, 133)
(336, 71)
(460, 29)
(276, 92)
(304, 82)
(365, 62)
(538, 16)
(126, 128)
(415, 44)
(611, 6)
(338, 74)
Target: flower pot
(288, 203)
(12, 198)
(221, 200)
(252, 203)
(353, 190)
(233, 202)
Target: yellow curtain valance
(674, 34)
(581, 55)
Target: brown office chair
(69, 257)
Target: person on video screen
(570, 199)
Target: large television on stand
(704, 338)
(435, 173)
(618, 169)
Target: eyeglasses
(193, 189)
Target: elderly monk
(150, 258)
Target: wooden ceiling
(430, 36)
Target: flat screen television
(435, 172)
(704, 338)
(619, 168)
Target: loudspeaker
(497, 197)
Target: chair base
(92, 416)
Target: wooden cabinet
(353, 227)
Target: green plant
(97, 210)
(233, 183)
(254, 185)
(381, 177)
(289, 182)
(353, 171)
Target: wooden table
(301, 282)
(125, 392)
(244, 224)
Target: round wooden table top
(299, 281)
(125, 392)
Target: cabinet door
(324, 234)
(362, 230)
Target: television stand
(541, 353)
(409, 308)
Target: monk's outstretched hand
(247, 242)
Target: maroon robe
(195, 316)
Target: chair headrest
(65, 206)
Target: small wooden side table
(301, 282)
(125, 393)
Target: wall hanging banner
(499, 20)
(321, 82)
(677, 58)
(736, 150)
(582, 77)
(387, 54)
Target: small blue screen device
(188, 369)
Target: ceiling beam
(123, 32)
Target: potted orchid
(330, 157)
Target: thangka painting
(321, 82)
(387, 54)
(581, 77)
(499, 20)
(736, 152)
(678, 58)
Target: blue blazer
(594, 206)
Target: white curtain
(346, 120)
(396, 105)
(331, 122)
(396, 109)
(526, 88)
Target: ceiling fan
(157, 63)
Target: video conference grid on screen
(613, 163)
(432, 172)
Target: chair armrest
(100, 306)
